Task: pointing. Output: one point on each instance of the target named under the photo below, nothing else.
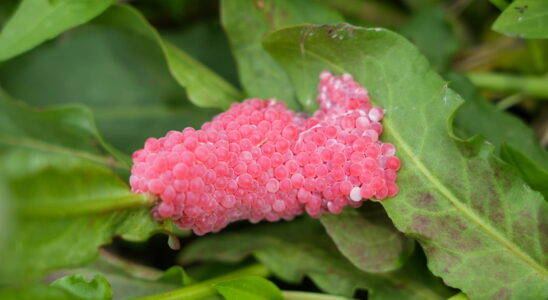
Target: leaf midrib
(443, 190)
(95, 205)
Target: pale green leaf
(459, 296)
(482, 228)
(251, 287)
(36, 21)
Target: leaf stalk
(205, 288)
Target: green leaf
(204, 87)
(68, 131)
(129, 280)
(459, 296)
(532, 172)
(70, 210)
(132, 95)
(458, 200)
(247, 21)
(36, 21)
(7, 7)
(515, 141)
(430, 31)
(63, 203)
(367, 237)
(74, 287)
(524, 19)
(207, 43)
(5, 217)
(251, 287)
(301, 247)
(37, 292)
(96, 289)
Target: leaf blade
(36, 21)
(251, 287)
(59, 200)
(515, 142)
(445, 183)
(368, 238)
(246, 22)
(204, 87)
(131, 98)
(524, 19)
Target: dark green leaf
(121, 75)
(292, 250)
(36, 21)
(7, 7)
(208, 270)
(247, 21)
(458, 200)
(207, 43)
(524, 19)
(430, 31)
(252, 288)
(63, 203)
(515, 141)
(204, 87)
(367, 237)
(96, 289)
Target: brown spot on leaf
(422, 227)
(259, 4)
(503, 293)
(468, 149)
(521, 9)
(426, 201)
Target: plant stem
(510, 101)
(93, 206)
(533, 86)
(293, 295)
(205, 288)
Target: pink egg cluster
(259, 160)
